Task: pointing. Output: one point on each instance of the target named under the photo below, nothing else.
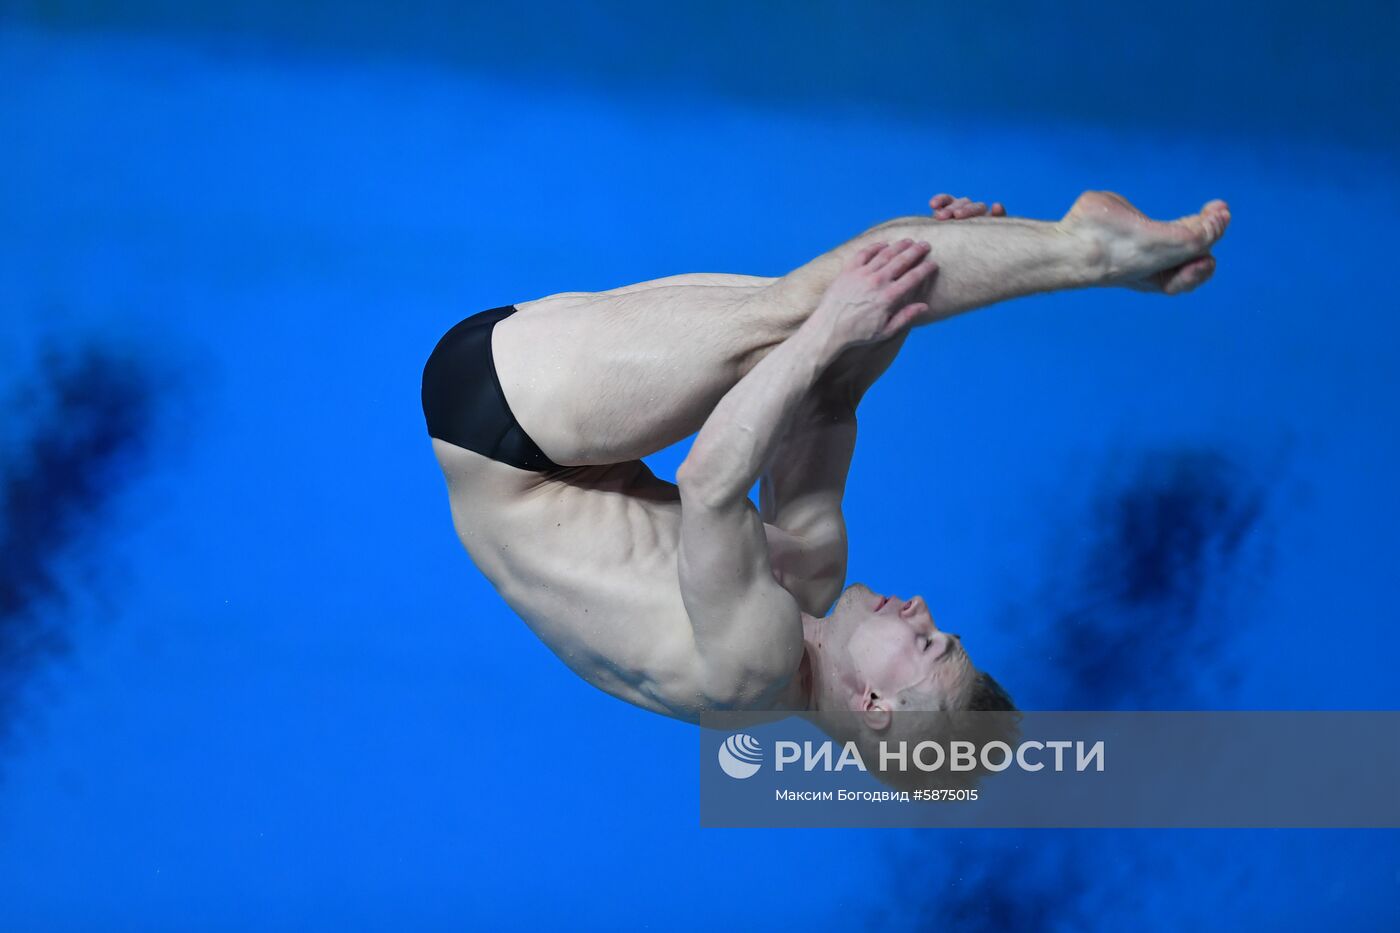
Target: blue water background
(270, 690)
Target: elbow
(689, 479)
(686, 473)
(716, 472)
(699, 484)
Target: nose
(917, 610)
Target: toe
(1216, 215)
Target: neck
(809, 670)
(804, 684)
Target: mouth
(881, 604)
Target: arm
(801, 492)
(800, 498)
(747, 629)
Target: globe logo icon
(740, 756)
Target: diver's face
(885, 645)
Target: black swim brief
(462, 398)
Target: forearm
(803, 487)
(800, 500)
(807, 472)
(743, 432)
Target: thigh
(719, 279)
(605, 377)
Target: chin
(853, 593)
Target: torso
(587, 559)
(587, 556)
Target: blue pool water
(249, 678)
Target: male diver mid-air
(685, 598)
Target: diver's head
(884, 675)
(875, 654)
(882, 672)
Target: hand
(879, 294)
(947, 207)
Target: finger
(971, 209)
(867, 254)
(1178, 279)
(940, 200)
(906, 260)
(945, 213)
(897, 261)
(913, 284)
(888, 253)
(904, 318)
(1189, 275)
(998, 210)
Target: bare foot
(1148, 255)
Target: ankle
(1089, 251)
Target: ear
(876, 712)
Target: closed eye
(924, 642)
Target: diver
(686, 598)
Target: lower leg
(981, 261)
(1103, 240)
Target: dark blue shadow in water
(1148, 575)
(1149, 567)
(87, 415)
